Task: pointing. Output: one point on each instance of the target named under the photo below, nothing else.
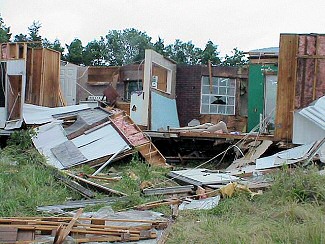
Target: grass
(292, 211)
(135, 173)
(25, 182)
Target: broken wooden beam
(95, 185)
(168, 190)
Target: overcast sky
(249, 24)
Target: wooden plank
(97, 186)
(75, 186)
(61, 235)
(168, 190)
(8, 234)
(286, 87)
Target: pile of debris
(118, 227)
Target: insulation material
(310, 83)
(130, 131)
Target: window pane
(223, 82)
(222, 90)
(232, 83)
(219, 100)
(222, 109)
(205, 80)
(205, 109)
(214, 109)
(215, 81)
(231, 91)
(206, 90)
(230, 110)
(205, 99)
(230, 100)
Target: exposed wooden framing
(315, 70)
(61, 235)
(210, 75)
(311, 56)
(286, 87)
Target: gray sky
(249, 24)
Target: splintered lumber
(157, 224)
(96, 186)
(111, 179)
(20, 229)
(168, 190)
(75, 186)
(78, 204)
(63, 233)
(139, 140)
(108, 161)
(155, 204)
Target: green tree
(56, 45)
(95, 53)
(126, 46)
(33, 34)
(21, 38)
(159, 46)
(183, 52)
(5, 34)
(211, 53)
(236, 59)
(75, 52)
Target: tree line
(121, 47)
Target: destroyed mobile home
(167, 113)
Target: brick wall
(188, 94)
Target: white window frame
(218, 97)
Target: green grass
(292, 211)
(130, 185)
(25, 182)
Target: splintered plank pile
(31, 229)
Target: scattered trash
(206, 204)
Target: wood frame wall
(301, 77)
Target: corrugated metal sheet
(274, 50)
(291, 156)
(101, 142)
(36, 115)
(200, 177)
(315, 112)
(50, 136)
(309, 123)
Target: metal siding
(102, 142)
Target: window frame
(218, 98)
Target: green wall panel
(256, 92)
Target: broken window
(130, 87)
(161, 78)
(218, 96)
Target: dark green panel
(256, 92)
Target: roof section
(315, 112)
(267, 50)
